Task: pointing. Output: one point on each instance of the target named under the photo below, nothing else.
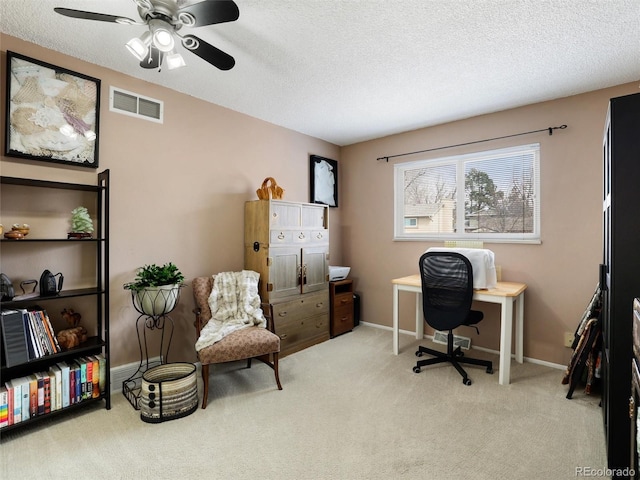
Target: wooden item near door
(270, 190)
(341, 296)
(287, 243)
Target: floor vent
(129, 103)
(458, 341)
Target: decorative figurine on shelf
(81, 224)
(74, 336)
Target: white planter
(155, 301)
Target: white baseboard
(496, 352)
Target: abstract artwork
(52, 113)
(323, 179)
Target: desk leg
(519, 327)
(506, 316)
(419, 320)
(396, 326)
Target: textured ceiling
(347, 71)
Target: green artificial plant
(81, 221)
(155, 276)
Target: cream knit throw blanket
(234, 303)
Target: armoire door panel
(284, 271)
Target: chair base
(263, 358)
(454, 357)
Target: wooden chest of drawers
(301, 322)
(341, 297)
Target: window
(492, 195)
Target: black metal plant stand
(153, 307)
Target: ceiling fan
(164, 19)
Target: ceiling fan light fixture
(175, 60)
(139, 47)
(162, 35)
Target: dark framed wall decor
(323, 180)
(52, 113)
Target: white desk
(506, 294)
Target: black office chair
(447, 292)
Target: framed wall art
(323, 177)
(52, 113)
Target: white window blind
(491, 195)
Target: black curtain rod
(549, 129)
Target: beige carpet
(350, 409)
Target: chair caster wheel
(466, 381)
(418, 353)
(490, 370)
(416, 369)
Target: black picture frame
(52, 114)
(323, 180)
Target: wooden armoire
(287, 243)
(621, 270)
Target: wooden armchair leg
(205, 385)
(275, 369)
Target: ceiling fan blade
(153, 58)
(102, 17)
(208, 52)
(209, 12)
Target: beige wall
(178, 188)
(561, 272)
(178, 191)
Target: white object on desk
(505, 293)
(482, 262)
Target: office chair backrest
(447, 289)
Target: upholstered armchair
(247, 343)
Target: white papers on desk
(482, 262)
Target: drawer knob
(281, 236)
(283, 336)
(282, 314)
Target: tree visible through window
(488, 195)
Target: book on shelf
(50, 332)
(77, 392)
(40, 377)
(24, 392)
(31, 347)
(89, 389)
(102, 381)
(45, 335)
(14, 338)
(36, 332)
(64, 373)
(72, 383)
(4, 407)
(55, 370)
(33, 395)
(52, 390)
(47, 392)
(15, 401)
(9, 404)
(95, 377)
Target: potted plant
(81, 224)
(156, 288)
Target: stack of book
(63, 385)
(27, 334)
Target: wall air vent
(129, 103)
